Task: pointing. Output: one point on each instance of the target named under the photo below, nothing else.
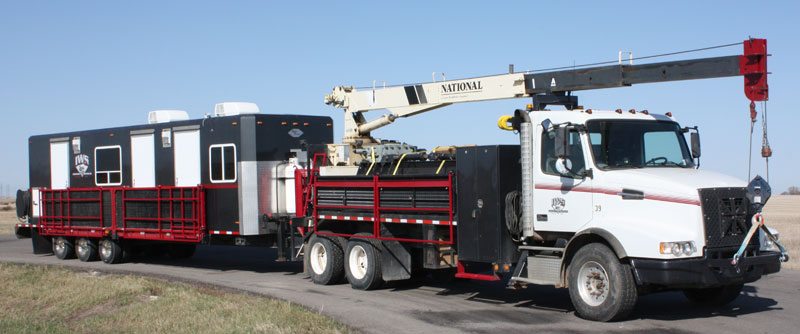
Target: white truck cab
(635, 214)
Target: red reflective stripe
(656, 197)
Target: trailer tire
(712, 297)
(600, 286)
(181, 251)
(325, 260)
(363, 264)
(110, 251)
(86, 249)
(63, 248)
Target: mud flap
(41, 244)
(396, 260)
(22, 232)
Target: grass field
(783, 214)
(8, 215)
(57, 300)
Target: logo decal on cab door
(558, 204)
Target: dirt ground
(782, 213)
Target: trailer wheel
(110, 251)
(63, 248)
(714, 296)
(600, 286)
(363, 264)
(86, 249)
(325, 260)
(181, 251)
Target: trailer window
(108, 166)
(222, 163)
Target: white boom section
(405, 101)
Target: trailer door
(143, 160)
(187, 158)
(59, 165)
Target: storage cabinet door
(143, 161)
(59, 165)
(187, 158)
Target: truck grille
(726, 216)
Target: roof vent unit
(166, 116)
(235, 108)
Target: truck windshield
(638, 144)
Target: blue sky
(72, 65)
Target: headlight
(676, 248)
(767, 244)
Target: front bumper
(704, 272)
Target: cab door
(562, 203)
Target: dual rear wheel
(331, 258)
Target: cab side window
(549, 158)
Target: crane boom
(547, 88)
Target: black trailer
(216, 180)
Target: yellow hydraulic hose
(440, 167)
(401, 160)
(373, 160)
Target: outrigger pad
(41, 244)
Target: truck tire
(711, 297)
(181, 251)
(600, 286)
(325, 260)
(63, 248)
(110, 251)
(363, 264)
(86, 249)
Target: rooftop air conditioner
(166, 116)
(235, 108)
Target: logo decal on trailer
(82, 165)
(295, 132)
(558, 205)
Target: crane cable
(766, 151)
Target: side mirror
(564, 166)
(561, 142)
(695, 139)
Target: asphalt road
(771, 305)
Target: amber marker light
(645, 112)
(295, 123)
(529, 106)
(306, 123)
(619, 111)
(260, 122)
(589, 111)
(632, 111)
(328, 124)
(283, 123)
(669, 114)
(234, 123)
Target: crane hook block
(753, 66)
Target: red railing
(307, 186)
(184, 221)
